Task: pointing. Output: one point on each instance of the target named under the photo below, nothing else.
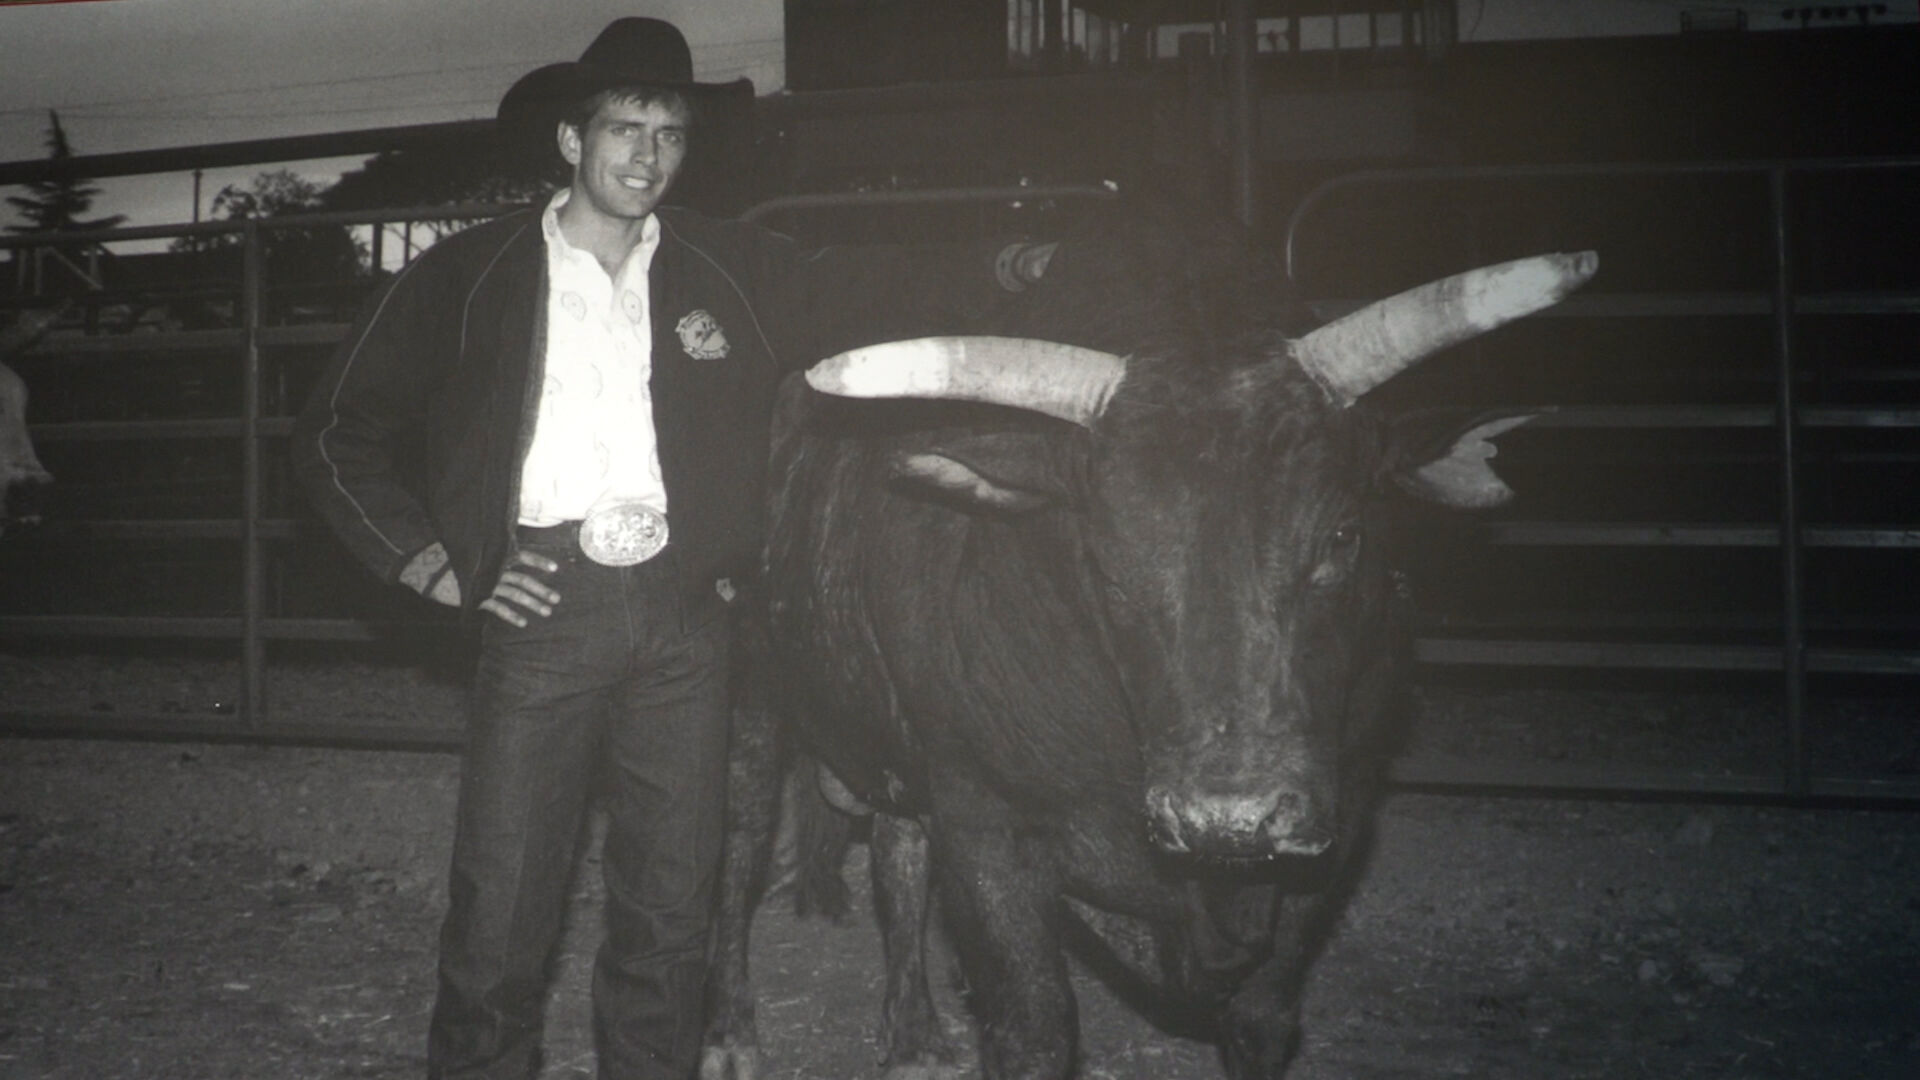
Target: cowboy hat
(631, 51)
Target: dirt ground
(199, 910)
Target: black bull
(1115, 639)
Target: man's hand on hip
(520, 591)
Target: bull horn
(1063, 381)
(1358, 351)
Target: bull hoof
(1262, 1054)
(921, 1047)
(730, 1062)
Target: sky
(144, 74)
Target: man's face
(627, 155)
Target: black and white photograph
(959, 540)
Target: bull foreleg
(1002, 900)
(732, 1044)
(916, 1044)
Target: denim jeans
(621, 695)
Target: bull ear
(1003, 472)
(1455, 472)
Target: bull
(1105, 628)
(21, 475)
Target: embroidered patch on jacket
(701, 336)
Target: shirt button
(630, 303)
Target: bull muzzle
(1263, 823)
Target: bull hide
(1116, 667)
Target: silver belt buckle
(623, 535)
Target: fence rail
(1787, 309)
(1453, 642)
(253, 625)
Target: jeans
(620, 694)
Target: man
(593, 383)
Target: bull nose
(1278, 821)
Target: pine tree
(58, 203)
(312, 253)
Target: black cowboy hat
(633, 51)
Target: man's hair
(582, 111)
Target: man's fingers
(536, 560)
(505, 613)
(527, 584)
(507, 593)
(519, 592)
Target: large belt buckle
(623, 534)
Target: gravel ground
(195, 910)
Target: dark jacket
(450, 354)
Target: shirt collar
(559, 250)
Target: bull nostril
(1163, 821)
(1291, 830)
(1288, 809)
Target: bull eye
(1341, 550)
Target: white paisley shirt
(594, 443)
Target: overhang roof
(1163, 12)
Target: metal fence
(263, 323)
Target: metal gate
(1814, 331)
(262, 327)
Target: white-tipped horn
(1063, 381)
(1359, 351)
